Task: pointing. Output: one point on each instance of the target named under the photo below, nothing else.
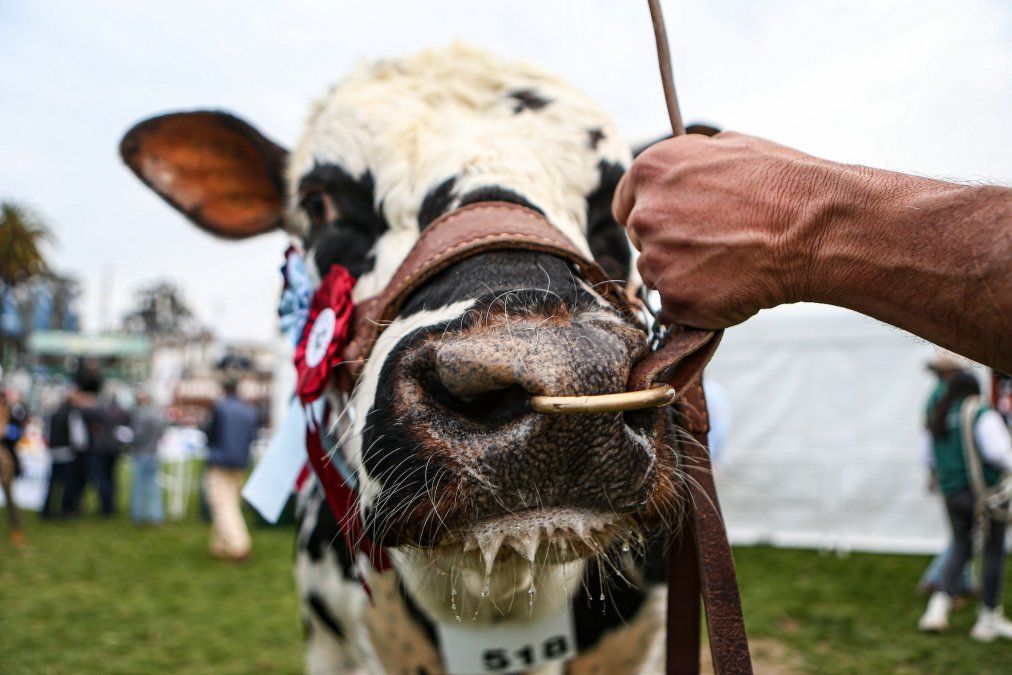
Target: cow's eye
(319, 207)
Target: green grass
(103, 596)
(856, 614)
(97, 596)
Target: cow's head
(451, 458)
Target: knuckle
(641, 169)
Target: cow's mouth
(494, 557)
(557, 533)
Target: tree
(160, 312)
(49, 301)
(22, 235)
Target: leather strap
(678, 362)
(704, 532)
(460, 234)
(682, 656)
(489, 226)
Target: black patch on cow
(322, 612)
(594, 138)
(528, 99)
(349, 239)
(437, 202)
(496, 193)
(606, 238)
(326, 534)
(418, 616)
(546, 283)
(392, 456)
(592, 617)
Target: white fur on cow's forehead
(417, 121)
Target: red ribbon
(343, 501)
(324, 338)
(325, 333)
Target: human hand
(726, 225)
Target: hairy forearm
(731, 225)
(930, 257)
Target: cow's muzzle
(468, 396)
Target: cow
(491, 513)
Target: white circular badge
(320, 336)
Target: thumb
(624, 199)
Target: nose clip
(655, 397)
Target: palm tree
(22, 234)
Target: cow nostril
(497, 406)
(640, 421)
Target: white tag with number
(507, 647)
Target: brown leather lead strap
(678, 362)
(724, 621)
(682, 656)
(664, 62)
(683, 357)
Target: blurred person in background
(230, 432)
(86, 427)
(111, 435)
(12, 422)
(61, 454)
(948, 458)
(148, 423)
(944, 366)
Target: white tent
(825, 441)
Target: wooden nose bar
(655, 397)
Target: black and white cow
(490, 511)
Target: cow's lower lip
(530, 534)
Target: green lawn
(98, 596)
(856, 614)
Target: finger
(634, 238)
(675, 314)
(647, 271)
(624, 199)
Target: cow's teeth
(489, 542)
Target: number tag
(507, 647)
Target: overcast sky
(922, 86)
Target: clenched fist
(726, 225)
(733, 224)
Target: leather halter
(700, 561)
(497, 226)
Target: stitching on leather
(420, 267)
(420, 270)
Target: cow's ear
(216, 169)
(696, 128)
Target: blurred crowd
(94, 427)
(87, 435)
